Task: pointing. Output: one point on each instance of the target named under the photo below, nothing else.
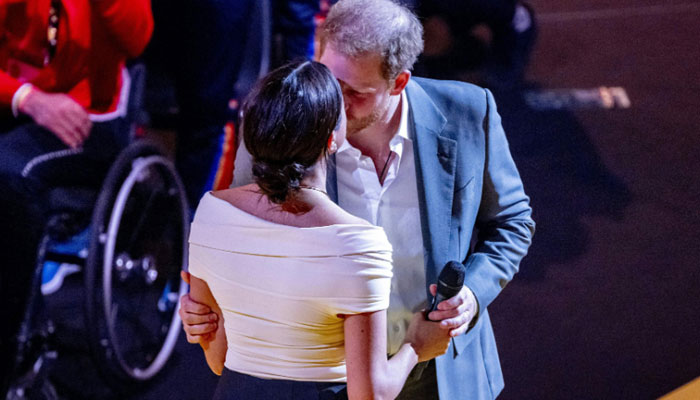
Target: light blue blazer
(469, 190)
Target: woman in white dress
(300, 285)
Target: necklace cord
(314, 188)
(386, 164)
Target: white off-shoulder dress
(281, 288)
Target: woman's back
(282, 288)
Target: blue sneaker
(54, 273)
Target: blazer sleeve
(504, 224)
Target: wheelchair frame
(137, 166)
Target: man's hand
(58, 113)
(455, 313)
(198, 321)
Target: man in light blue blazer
(470, 187)
(428, 161)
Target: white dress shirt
(394, 207)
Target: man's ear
(400, 82)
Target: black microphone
(450, 282)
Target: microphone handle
(433, 306)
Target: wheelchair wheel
(132, 276)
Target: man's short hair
(359, 27)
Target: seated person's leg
(21, 216)
(33, 160)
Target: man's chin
(355, 126)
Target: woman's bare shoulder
(332, 214)
(315, 212)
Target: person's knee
(20, 144)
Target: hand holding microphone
(430, 339)
(459, 304)
(450, 282)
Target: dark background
(607, 303)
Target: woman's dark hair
(288, 119)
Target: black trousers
(237, 386)
(33, 160)
(421, 384)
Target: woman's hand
(427, 338)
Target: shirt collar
(403, 125)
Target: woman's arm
(215, 349)
(370, 374)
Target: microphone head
(451, 279)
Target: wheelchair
(132, 239)
(134, 230)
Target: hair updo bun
(276, 181)
(288, 118)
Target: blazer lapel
(436, 160)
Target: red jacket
(95, 38)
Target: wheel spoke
(144, 215)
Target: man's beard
(357, 124)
